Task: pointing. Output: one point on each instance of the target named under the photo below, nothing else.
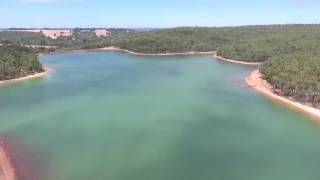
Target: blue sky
(151, 13)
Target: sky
(155, 13)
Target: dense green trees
(295, 75)
(168, 40)
(16, 61)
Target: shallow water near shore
(111, 115)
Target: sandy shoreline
(36, 75)
(112, 48)
(235, 61)
(156, 54)
(7, 171)
(255, 81)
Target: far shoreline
(255, 81)
(113, 48)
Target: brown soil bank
(256, 81)
(7, 171)
(17, 162)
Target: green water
(114, 116)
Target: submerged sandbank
(256, 81)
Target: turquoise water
(114, 116)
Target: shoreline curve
(236, 61)
(255, 81)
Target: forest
(290, 52)
(17, 61)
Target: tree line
(17, 61)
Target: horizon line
(165, 27)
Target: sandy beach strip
(255, 81)
(112, 48)
(7, 171)
(155, 54)
(236, 61)
(31, 76)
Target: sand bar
(256, 81)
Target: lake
(115, 116)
